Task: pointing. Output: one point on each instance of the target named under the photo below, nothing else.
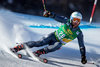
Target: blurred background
(60, 7)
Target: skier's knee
(54, 47)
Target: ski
(15, 53)
(44, 60)
(33, 56)
(29, 54)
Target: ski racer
(67, 32)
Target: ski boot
(16, 49)
(40, 52)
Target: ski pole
(94, 6)
(90, 63)
(91, 60)
(43, 1)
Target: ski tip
(19, 56)
(45, 61)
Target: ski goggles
(76, 20)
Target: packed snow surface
(19, 28)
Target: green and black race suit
(63, 35)
(67, 33)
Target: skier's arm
(81, 44)
(54, 16)
(82, 48)
(58, 18)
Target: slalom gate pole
(43, 1)
(94, 6)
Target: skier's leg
(42, 42)
(31, 44)
(50, 48)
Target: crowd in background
(61, 7)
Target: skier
(67, 32)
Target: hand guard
(46, 13)
(83, 60)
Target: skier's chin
(75, 26)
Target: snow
(14, 28)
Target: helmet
(75, 15)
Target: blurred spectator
(62, 7)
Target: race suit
(60, 37)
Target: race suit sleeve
(58, 18)
(81, 44)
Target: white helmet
(75, 15)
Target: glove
(83, 60)
(46, 13)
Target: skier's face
(75, 22)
